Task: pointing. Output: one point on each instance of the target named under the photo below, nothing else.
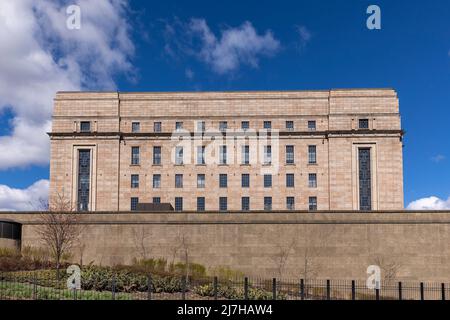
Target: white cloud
(23, 199)
(430, 203)
(40, 56)
(304, 35)
(438, 158)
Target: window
(134, 203)
(223, 155)
(134, 155)
(134, 181)
(200, 180)
(201, 154)
(156, 155)
(245, 125)
(312, 180)
(223, 180)
(290, 203)
(365, 184)
(245, 180)
(85, 126)
(290, 181)
(312, 203)
(245, 154)
(312, 158)
(267, 125)
(178, 204)
(267, 181)
(201, 204)
(178, 125)
(156, 181)
(178, 181)
(312, 125)
(156, 200)
(223, 204)
(289, 154)
(223, 125)
(157, 127)
(178, 155)
(267, 155)
(364, 123)
(201, 126)
(289, 125)
(245, 203)
(267, 203)
(135, 127)
(84, 179)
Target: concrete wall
(338, 245)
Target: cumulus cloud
(23, 199)
(430, 203)
(236, 46)
(40, 56)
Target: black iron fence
(40, 286)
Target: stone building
(228, 151)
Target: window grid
(312, 203)
(223, 126)
(290, 203)
(223, 180)
(178, 181)
(245, 180)
(201, 154)
(267, 124)
(223, 155)
(134, 203)
(246, 154)
(267, 181)
(135, 155)
(312, 180)
(157, 127)
(156, 155)
(156, 200)
(290, 180)
(201, 204)
(245, 125)
(178, 204)
(135, 127)
(85, 126)
(134, 181)
(267, 203)
(178, 125)
(200, 180)
(223, 204)
(156, 181)
(312, 156)
(312, 125)
(290, 155)
(363, 123)
(245, 203)
(179, 155)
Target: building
(228, 151)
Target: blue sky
(297, 45)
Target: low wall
(336, 245)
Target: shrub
(226, 273)
(228, 292)
(196, 270)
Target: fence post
(183, 288)
(245, 288)
(443, 291)
(377, 293)
(274, 288)
(113, 287)
(328, 290)
(34, 286)
(149, 287)
(353, 290)
(302, 289)
(400, 296)
(215, 288)
(422, 294)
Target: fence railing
(37, 286)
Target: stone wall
(337, 245)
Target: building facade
(228, 151)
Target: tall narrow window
(200, 180)
(245, 203)
(135, 127)
(156, 181)
(157, 127)
(223, 180)
(289, 154)
(84, 178)
(245, 183)
(245, 154)
(178, 204)
(134, 181)
(312, 180)
(178, 155)
(267, 155)
(312, 203)
(267, 181)
(312, 125)
(201, 154)
(267, 203)
(178, 181)
(200, 203)
(156, 155)
(223, 204)
(312, 157)
(134, 203)
(223, 155)
(290, 181)
(290, 203)
(85, 126)
(135, 155)
(365, 185)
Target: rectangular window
(156, 200)
(84, 179)
(135, 127)
(365, 178)
(201, 154)
(267, 155)
(245, 154)
(223, 180)
(312, 157)
(267, 124)
(364, 123)
(178, 181)
(178, 155)
(245, 203)
(134, 181)
(201, 126)
(312, 125)
(223, 155)
(290, 203)
(156, 181)
(178, 204)
(85, 126)
(289, 125)
(312, 180)
(135, 155)
(290, 181)
(312, 203)
(201, 204)
(267, 181)
(245, 180)
(223, 126)
(223, 204)
(200, 180)
(157, 127)
(245, 125)
(134, 203)
(178, 125)
(289, 154)
(156, 155)
(267, 203)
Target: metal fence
(38, 286)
